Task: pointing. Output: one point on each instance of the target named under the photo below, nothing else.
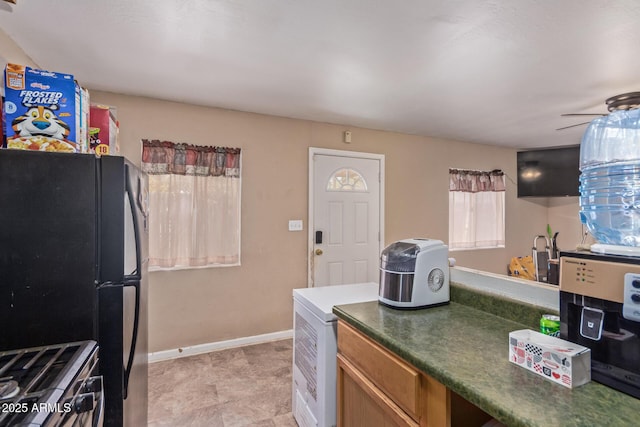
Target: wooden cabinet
(362, 404)
(376, 388)
(390, 374)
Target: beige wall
(11, 52)
(564, 217)
(199, 306)
(192, 307)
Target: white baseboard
(220, 345)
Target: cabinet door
(398, 380)
(362, 404)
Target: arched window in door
(347, 180)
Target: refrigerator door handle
(133, 280)
(137, 276)
(134, 337)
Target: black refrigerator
(73, 265)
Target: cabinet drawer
(364, 404)
(389, 373)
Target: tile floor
(245, 386)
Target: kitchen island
(465, 349)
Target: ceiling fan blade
(572, 126)
(581, 114)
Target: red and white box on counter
(560, 361)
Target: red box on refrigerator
(103, 130)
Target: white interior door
(346, 231)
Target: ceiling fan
(625, 101)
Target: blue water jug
(610, 179)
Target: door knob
(318, 251)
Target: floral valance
(471, 181)
(165, 157)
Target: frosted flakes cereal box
(40, 110)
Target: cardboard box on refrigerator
(40, 109)
(103, 130)
(560, 361)
(82, 118)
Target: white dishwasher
(315, 347)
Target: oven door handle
(134, 337)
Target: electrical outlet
(295, 225)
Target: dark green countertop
(467, 350)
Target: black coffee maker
(600, 309)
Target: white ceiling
(492, 72)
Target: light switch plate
(295, 225)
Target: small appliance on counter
(414, 273)
(600, 309)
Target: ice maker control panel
(631, 304)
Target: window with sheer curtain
(476, 209)
(194, 205)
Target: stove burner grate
(8, 388)
(52, 380)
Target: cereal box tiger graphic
(40, 121)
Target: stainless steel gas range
(53, 385)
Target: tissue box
(557, 360)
